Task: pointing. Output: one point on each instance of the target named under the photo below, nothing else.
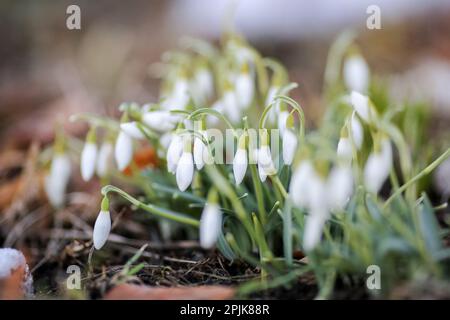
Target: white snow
(10, 260)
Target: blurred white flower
(240, 163)
(357, 131)
(204, 83)
(344, 148)
(174, 152)
(160, 120)
(361, 104)
(124, 150)
(231, 106)
(132, 129)
(244, 89)
(318, 211)
(356, 73)
(273, 112)
(378, 166)
(290, 142)
(88, 160)
(104, 159)
(56, 182)
(299, 186)
(180, 95)
(313, 230)
(210, 225)
(339, 187)
(282, 118)
(102, 229)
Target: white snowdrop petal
(104, 159)
(174, 153)
(210, 225)
(132, 129)
(344, 148)
(199, 153)
(231, 107)
(262, 174)
(265, 162)
(160, 120)
(123, 150)
(361, 105)
(102, 229)
(180, 95)
(313, 230)
(185, 171)
(88, 161)
(56, 182)
(299, 186)
(244, 89)
(282, 121)
(377, 167)
(356, 74)
(240, 163)
(204, 83)
(339, 187)
(274, 111)
(290, 143)
(357, 131)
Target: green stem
(419, 176)
(168, 214)
(277, 182)
(259, 193)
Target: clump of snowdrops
(238, 165)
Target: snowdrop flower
(344, 148)
(273, 112)
(318, 211)
(200, 151)
(89, 156)
(266, 166)
(210, 223)
(244, 87)
(290, 141)
(204, 83)
(104, 159)
(102, 226)
(313, 230)
(185, 167)
(357, 131)
(179, 98)
(299, 186)
(160, 120)
(132, 129)
(240, 161)
(231, 106)
(378, 166)
(56, 182)
(124, 150)
(174, 152)
(282, 118)
(361, 104)
(356, 73)
(339, 187)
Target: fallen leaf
(138, 292)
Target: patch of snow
(10, 260)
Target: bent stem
(158, 211)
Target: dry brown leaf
(137, 292)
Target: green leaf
(429, 226)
